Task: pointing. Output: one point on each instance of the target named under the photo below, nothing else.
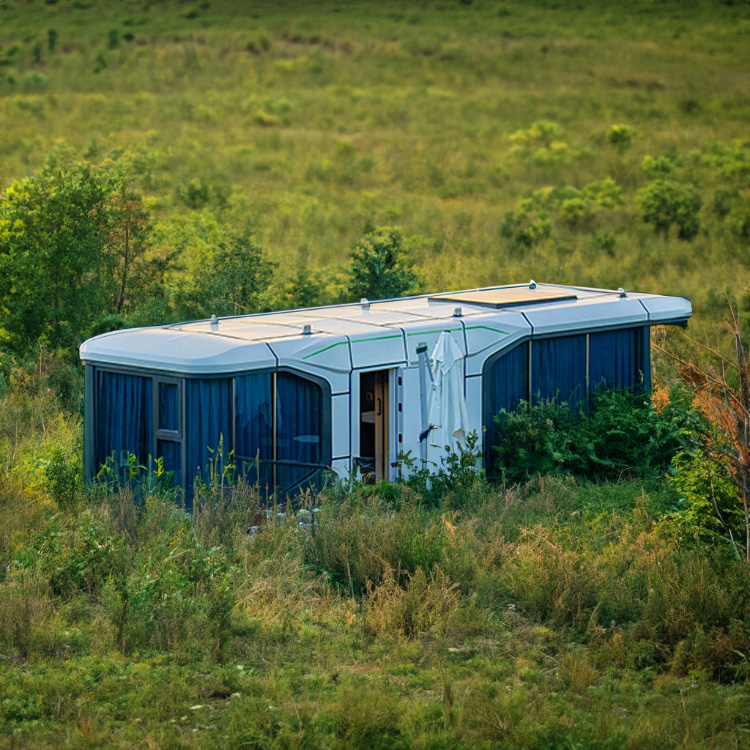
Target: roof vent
(306, 329)
(214, 322)
(532, 284)
(365, 303)
(457, 313)
(622, 292)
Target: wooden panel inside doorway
(373, 425)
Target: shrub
(657, 167)
(664, 203)
(621, 432)
(621, 136)
(380, 266)
(452, 483)
(411, 607)
(357, 544)
(28, 617)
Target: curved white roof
(342, 337)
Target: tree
(235, 281)
(380, 267)
(305, 289)
(72, 246)
(128, 233)
(53, 234)
(664, 203)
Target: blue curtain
(169, 407)
(254, 428)
(299, 431)
(644, 356)
(124, 417)
(558, 369)
(620, 359)
(509, 381)
(209, 424)
(507, 386)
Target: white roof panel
(380, 333)
(598, 312)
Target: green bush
(621, 136)
(664, 203)
(620, 433)
(380, 267)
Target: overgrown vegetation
(618, 434)
(443, 616)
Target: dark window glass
(254, 428)
(619, 359)
(509, 379)
(299, 431)
(124, 421)
(506, 385)
(169, 407)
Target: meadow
(475, 127)
(568, 141)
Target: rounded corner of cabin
(668, 310)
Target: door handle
(380, 406)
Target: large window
(273, 426)
(208, 413)
(565, 368)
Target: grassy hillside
(309, 122)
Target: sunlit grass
(310, 123)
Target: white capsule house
(287, 396)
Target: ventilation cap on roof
(214, 322)
(457, 313)
(365, 303)
(532, 284)
(621, 291)
(306, 329)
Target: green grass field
(508, 140)
(308, 122)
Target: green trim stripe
(324, 349)
(338, 343)
(398, 336)
(487, 328)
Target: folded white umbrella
(448, 410)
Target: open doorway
(373, 425)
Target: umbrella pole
(424, 373)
